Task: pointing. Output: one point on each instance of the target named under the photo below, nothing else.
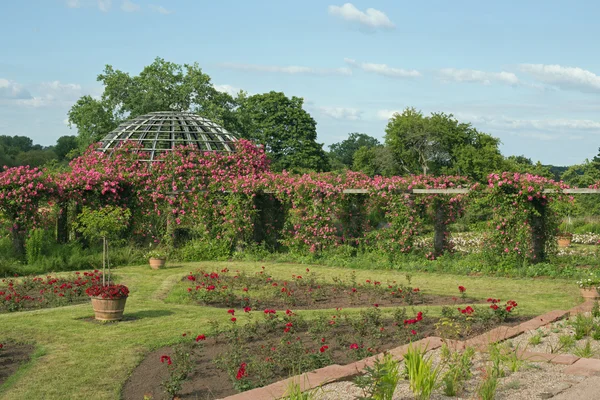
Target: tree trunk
(62, 231)
(538, 233)
(439, 224)
(18, 240)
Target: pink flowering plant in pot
(103, 224)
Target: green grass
(88, 360)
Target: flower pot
(156, 263)
(564, 241)
(589, 293)
(108, 309)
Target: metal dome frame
(163, 131)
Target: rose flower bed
(306, 291)
(254, 348)
(35, 292)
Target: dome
(161, 132)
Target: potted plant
(108, 299)
(157, 258)
(565, 234)
(588, 286)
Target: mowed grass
(85, 360)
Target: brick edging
(335, 372)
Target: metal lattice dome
(161, 132)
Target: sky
(527, 72)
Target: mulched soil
(209, 382)
(12, 356)
(342, 300)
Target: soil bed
(12, 356)
(208, 381)
(235, 289)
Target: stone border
(335, 372)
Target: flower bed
(305, 291)
(12, 355)
(253, 349)
(37, 292)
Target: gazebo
(160, 132)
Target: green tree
(64, 145)
(524, 165)
(377, 160)
(35, 158)
(344, 150)
(287, 131)
(161, 86)
(93, 118)
(440, 144)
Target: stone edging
(334, 373)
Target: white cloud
(351, 114)
(104, 5)
(231, 90)
(292, 70)
(387, 114)
(12, 90)
(568, 78)
(73, 3)
(383, 69)
(129, 6)
(371, 17)
(472, 75)
(45, 94)
(160, 9)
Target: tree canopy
(439, 144)
(287, 131)
(161, 86)
(343, 152)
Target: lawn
(80, 359)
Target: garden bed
(578, 335)
(36, 292)
(247, 353)
(528, 381)
(307, 290)
(12, 356)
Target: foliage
(160, 86)
(458, 370)
(590, 281)
(287, 132)
(36, 292)
(344, 151)
(422, 376)
(525, 219)
(380, 380)
(440, 144)
(179, 366)
(106, 222)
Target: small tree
(105, 223)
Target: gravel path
(533, 381)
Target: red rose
(167, 359)
(200, 337)
(323, 348)
(353, 346)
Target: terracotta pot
(157, 263)
(108, 309)
(589, 293)
(564, 241)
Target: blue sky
(526, 72)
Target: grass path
(84, 360)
